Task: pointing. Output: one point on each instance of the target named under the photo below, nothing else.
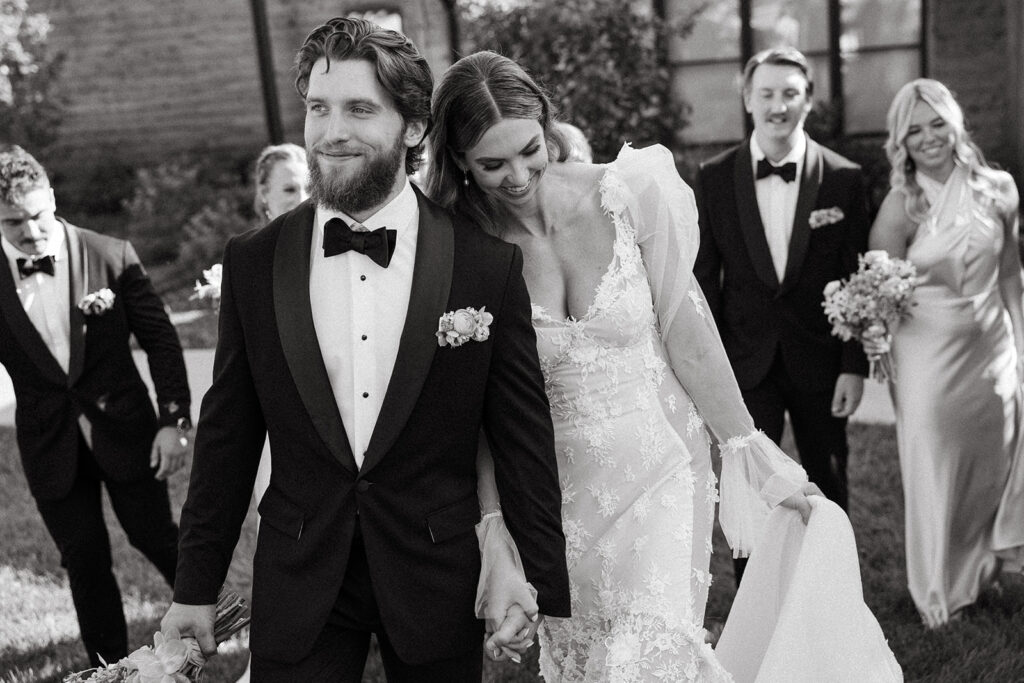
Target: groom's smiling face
(355, 137)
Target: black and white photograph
(511, 341)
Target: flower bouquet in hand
(867, 305)
(172, 659)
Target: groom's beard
(363, 188)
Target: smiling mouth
(517, 190)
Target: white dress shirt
(359, 311)
(47, 302)
(47, 298)
(776, 201)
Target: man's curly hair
(20, 174)
(401, 70)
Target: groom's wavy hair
(476, 93)
(20, 174)
(401, 70)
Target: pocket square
(822, 217)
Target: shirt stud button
(366, 395)
(363, 337)
(362, 277)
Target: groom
(328, 341)
(780, 217)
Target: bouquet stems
(882, 369)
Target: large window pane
(822, 78)
(869, 23)
(715, 34)
(802, 24)
(871, 80)
(713, 93)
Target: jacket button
(363, 486)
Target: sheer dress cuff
(756, 476)
(502, 579)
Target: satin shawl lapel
(750, 217)
(78, 261)
(298, 335)
(22, 328)
(431, 285)
(800, 237)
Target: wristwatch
(184, 427)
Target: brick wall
(147, 78)
(970, 49)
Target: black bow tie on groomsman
(378, 244)
(36, 264)
(787, 171)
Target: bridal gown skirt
(799, 615)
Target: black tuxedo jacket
(757, 315)
(415, 494)
(102, 381)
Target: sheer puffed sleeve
(646, 188)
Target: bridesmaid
(958, 354)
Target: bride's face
(509, 161)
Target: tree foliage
(604, 63)
(30, 106)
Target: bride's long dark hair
(475, 93)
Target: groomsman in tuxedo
(780, 217)
(328, 342)
(69, 301)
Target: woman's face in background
(509, 161)
(929, 141)
(286, 187)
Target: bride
(635, 373)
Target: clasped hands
(513, 637)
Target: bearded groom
(328, 343)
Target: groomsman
(70, 299)
(780, 217)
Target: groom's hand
(849, 390)
(514, 636)
(193, 620)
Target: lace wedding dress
(635, 386)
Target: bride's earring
(465, 178)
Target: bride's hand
(798, 501)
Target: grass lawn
(39, 634)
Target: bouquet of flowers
(211, 288)
(172, 659)
(867, 305)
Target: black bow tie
(36, 264)
(378, 244)
(787, 171)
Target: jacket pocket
(282, 514)
(453, 520)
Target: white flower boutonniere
(211, 288)
(822, 217)
(97, 303)
(455, 328)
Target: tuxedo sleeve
(229, 441)
(148, 321)
(708, 266)
(517, 422)
(853, 359)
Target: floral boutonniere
(455, 328)
(822, 217)
(97, 303)
(211, 288)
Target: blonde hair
(985, 181)
(269, 158)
